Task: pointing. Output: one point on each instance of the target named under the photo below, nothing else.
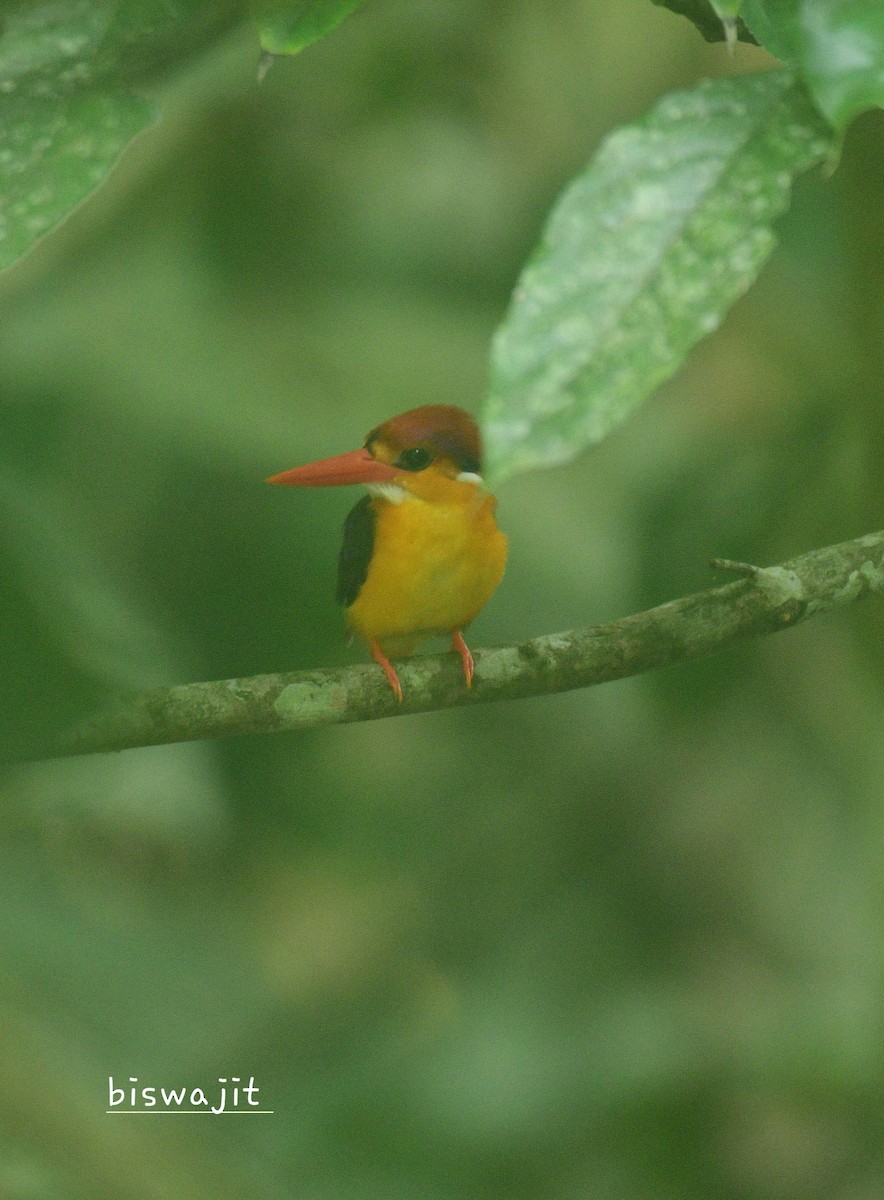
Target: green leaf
(145, 37)
(643, 254)
(836, 45)
(53, 152)
(727, 10)
(59, 137)
(51, 44)
(288, 28)
(708, 16)
(65, 112)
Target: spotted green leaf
(53, 152)
(67, 108)
(642, 256)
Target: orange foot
(389, 670)
(459, 646)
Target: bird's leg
(389, 670)
(459, 646)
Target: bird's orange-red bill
(357, 466)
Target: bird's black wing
(356, 550)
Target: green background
(622, 943)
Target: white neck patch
(388, 491)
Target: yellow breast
(434, 566)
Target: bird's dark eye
(414, 459)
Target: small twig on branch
(765, 600)
(735, 568)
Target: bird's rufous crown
(442, 428)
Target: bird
(421, 553)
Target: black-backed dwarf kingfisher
(422, 553)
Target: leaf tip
(265, 62)
(729, 25)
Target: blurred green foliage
(624, 943)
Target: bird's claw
(387, 667)
(459, 646)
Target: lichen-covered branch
(762, 600)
